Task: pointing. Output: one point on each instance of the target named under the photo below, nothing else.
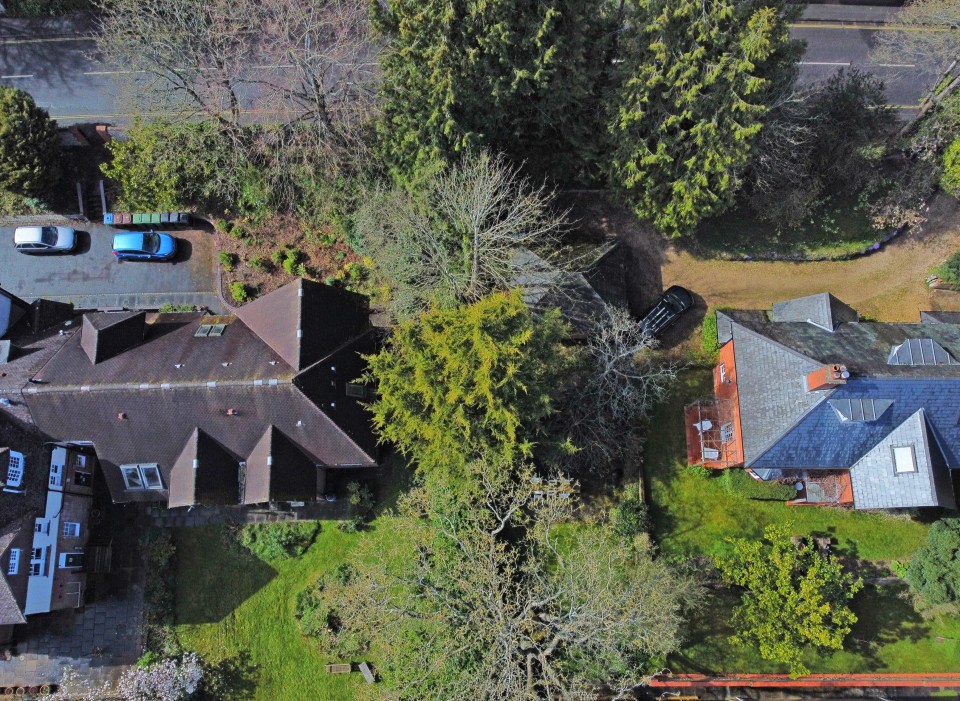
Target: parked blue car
(144, 245)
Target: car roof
(27, 234)
(129, 239)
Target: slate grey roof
(822, 309)
(784, 427)
(205, 473)
(877, 485)
(771, 390)
(940, 317)
(277, 470)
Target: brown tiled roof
(305, 320)
(13, 588)
(146, 404)
(277, 470)
(205, 473)
(106, 334)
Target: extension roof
(904, 380)
(178, 396)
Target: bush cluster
(277, 541)
(631, 517)
(361, 508)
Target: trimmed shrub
(292, 260)
(228, 261)
(934, 570)
(277, 541)
(239, 291)
(949, 271)
(361, 508)
(257, 263)
(631, 517)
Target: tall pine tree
(522, 77)
(697, 76)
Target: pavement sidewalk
(75, 24)
(869, 14)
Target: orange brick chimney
(826, 377)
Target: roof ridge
(127, 386)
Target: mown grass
(233, 606)
(696, 515)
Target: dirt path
(888, 285)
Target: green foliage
(168, 308)
(631, 517)
(29, 146)
(469, 382)
(162, 165)
(277, 541)
(522, 79)
(949, 271)
(692, 104)
(240, 291)
(361, 508)
(795, 598)
(934, 570)
(317, 613)
(709, 340)
(277, 257)
(227, 260)
(159, 553)
(950, 180)
(291, 260)
(738, 483)
(12, 204)
(258, 263)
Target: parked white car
(44, 239)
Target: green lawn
(696, 515)
(232, 606)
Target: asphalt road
(92, 277)
(64, 75)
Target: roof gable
(821, 309)
(305, 320)
(204, 473)
(13, 588)
(877, 482)
(106, 334)
(277, 470)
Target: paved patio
(99, 641)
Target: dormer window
(860, 409)
(919, 351)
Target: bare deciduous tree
(468, 613)
(622, 378)
(462, 235)
(932, 38)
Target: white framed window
(139, 477)
(723, 372)
(37, 562)
(41, 525)
(71, 529)
(15, 469)
(726, 432)
(14, 565)
(81, 463)
(904, 459)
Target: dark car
(671, 305)
(144, 245)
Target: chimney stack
(826, 377)
(232, 412)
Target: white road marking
(10, 77)
(896, 65)
(824, 63)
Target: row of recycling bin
(121, 218)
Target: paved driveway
(91, 278)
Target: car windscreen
(151, 242)
(674, 303)
(48, 235)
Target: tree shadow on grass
(884, 616)
(232, 678)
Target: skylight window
(904, 459)
(919, 351)
(860, 409)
